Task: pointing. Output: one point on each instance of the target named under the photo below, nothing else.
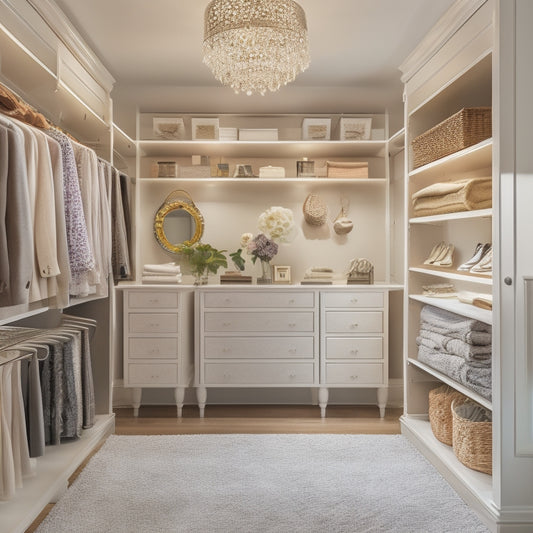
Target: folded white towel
(166, 268)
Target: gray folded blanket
(478, 380)
(455, 326)
(442, 343)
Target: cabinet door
(258, 322)
(353, 299)
(258, 347)
(354, 322)
(259, 299)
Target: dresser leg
(136, 400)
(201, 396)
(323, 395)
(382, 394)
(179, 395)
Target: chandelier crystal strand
(255, 45)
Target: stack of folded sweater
(457, 346)
(165, 273)
(452, 197)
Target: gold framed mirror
(178, 222)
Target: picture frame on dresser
(281, 274)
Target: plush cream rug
(260, 483)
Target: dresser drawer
(153, 322)
(258, 373)
(258, 347)
(353, 299)
(152, 299)
(259, 299)
(152, 374)
(252, 322)
(354, 321)
(152, 348)
(354, 348)
(354, 374)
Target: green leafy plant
(203, 258)
(238, 259)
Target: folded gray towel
(452, 322)
(478, 380)
(442, 343)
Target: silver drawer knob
(154, 351)
(226, 350)
(354, 300)
(292, 350)
(353, 351)
(291, 301)
(354, 325)
(154, 301)
(226, 324)
(353, 378)
(292, 375)
(292, 325)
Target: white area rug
(260, 483)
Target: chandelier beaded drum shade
(255, 45)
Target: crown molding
(68, 35)
(443, 30)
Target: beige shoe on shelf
(436, 252)
(446, 258)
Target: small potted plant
(204, 259)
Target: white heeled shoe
(435, 253)
(479, 252)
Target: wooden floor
(248, 419)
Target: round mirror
(178, 222)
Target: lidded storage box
(466, 128)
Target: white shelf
(397, 142)
(321, 181)
(475, 487)
(450, 217)
(451, 382)
(455, 306)
(53, 472)
(123, 143)
(453, 274)
(458, 164)
(292, 149)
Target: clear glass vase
(266, 273)
(200, 278)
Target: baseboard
(122, 396)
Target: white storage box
(194, 171)
(258, 135)
(271, 172)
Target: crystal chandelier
(255, 45)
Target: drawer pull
(154, 351)
(227, 300)
(226, 324)
(354, 300)
(226, 350)
(292, 324)
(154, 300)
(291, 301)
(292, 375)
(354, 351)
(227, 376)
(354, 325)
(353, 378)
(292, 350)
(156, 325)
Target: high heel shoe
(446, 258)
(479, 252)
(435, 253)
(485, 265)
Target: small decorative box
(167, 169)
(272, 172)
(316, 129)
(355, 129)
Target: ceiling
(153, 49)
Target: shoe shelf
(292, 180)
(463, 215)
(455, 306)
(451, 382)
(449, 273)
(471, 159)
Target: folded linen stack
(439, 290)
(345, 169)
(164, 273)
(453, 197)
(457, 346)
(481, 300)
(318, 276)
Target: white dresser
(292, 336)
(158, 340)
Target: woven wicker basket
(472, 435)
(315, 210)
(466, 128)
(440, 412)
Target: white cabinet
(292, 337)
(158, 340)
(354, 342)
(256, 337)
